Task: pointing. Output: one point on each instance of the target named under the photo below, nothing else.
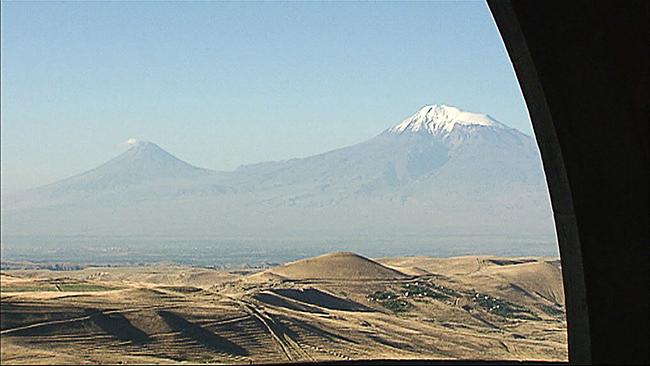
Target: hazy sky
(224, 84)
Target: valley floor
(396, 308)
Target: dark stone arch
(583, 70)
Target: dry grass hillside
(333, 307)
(336, 266)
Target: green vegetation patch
(83, 287)
(396, 305)
(27, 288)
(390, 300)
(423, 291)
(501, 307)
(382, 295)
(431, 290)
(551, 310)
(48, 287)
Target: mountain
(441, 171)
(437, 142)
(144, 163)
(340, 265)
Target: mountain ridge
(418, 181)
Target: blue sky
(224, 84)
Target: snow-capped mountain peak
(146, 147)
(441, 119)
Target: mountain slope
(428, 154)
(142, 167)
(143, 163)
(440, 171)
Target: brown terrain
(338, 306)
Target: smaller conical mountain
(143, 163)
(339, 266)
(145, 169)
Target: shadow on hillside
(272, 299)
(200, 335)
(16, 315)
(118, 326)
(316, 330)
(319, 298)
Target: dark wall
(583, 68)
